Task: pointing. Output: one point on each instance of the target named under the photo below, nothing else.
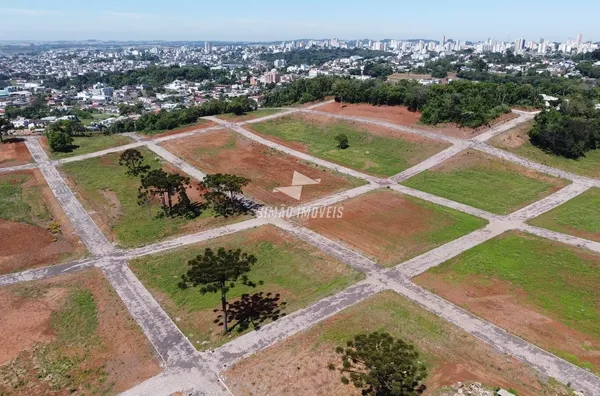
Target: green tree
(59, 141)
(224, 193)
(69, 127)
(134, 161)
(342, 141)
(167, 186)
(5, 126)
(214, 273)
(381, 365)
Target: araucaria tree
(134, 161)
(217, 273)
(5, 126)
(158, 183)
(224, 193)
(381, 365)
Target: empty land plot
(87, 144)
(34, 231)
(228, 152)
(402, 116)
(298, 271)
(14, 152)
(517, 141)
(542, 291)
(579, 216)
(392, 227)
(111, 196)
(70, 335)
(373, 149)
(482, 181)
(252, 115)
(199, 125)
(299, 365)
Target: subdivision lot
(111, 197)
(228, 152)
(542, 291)
(34, 231)
(402, 116)
(200, 124)
(70, 335)
(248, 116)
(579, 216)
(517, 141)
(87, 144)
(392, 227)
(13, 152)
(373, 149)
(300, 273)
(482, 181)
(299, 365)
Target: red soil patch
(513, 138)
(27, 309)
(402, 116)
(201, 125)
(299, 365)
(14, 154)
(506, 306)
(384, 224)
(26, 245)
(228, 152)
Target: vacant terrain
(70, 335)
(34, 231)
(542, 291)
(111, 196)
(392, 227)
(299, 364)
(375, 150)
(517, 141)
(482, 181)
(87, 144)
(296, 270)
(198, 125)
(14, 152)
(227, 152)
(248, 116)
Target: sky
(266, 20)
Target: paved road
(189, 370)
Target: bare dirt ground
(14, 153)
(515, 137)
(201, 125)
(506, 306)
(120, 357)
(227, 152)
(386, 225)
(299, 365)
(33, 245)
(401, 115)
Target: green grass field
(248, 116)
(90, 144)
(559, 281)
(488, 184)
(108, 190)
(97, 117)
(22, 204)
(442, 347)
(198, 122)
(579, 216)
(378, 155)
(298, 271)
(586, 166)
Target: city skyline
(35, 20)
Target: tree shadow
(12, 140)
(252, 310)
(68, 149)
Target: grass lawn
(392, 227)
(299, 272)
(248, 116)
(90, 144)
(112, 196)
(551, 291)
(376, 154)
(579, 216)
(486, 183)
(97, 117)
(22, 203)
(299, 365)
(200, 123)
(517, 141)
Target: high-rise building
(207, 47)
(579, 39)
(443, 41)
